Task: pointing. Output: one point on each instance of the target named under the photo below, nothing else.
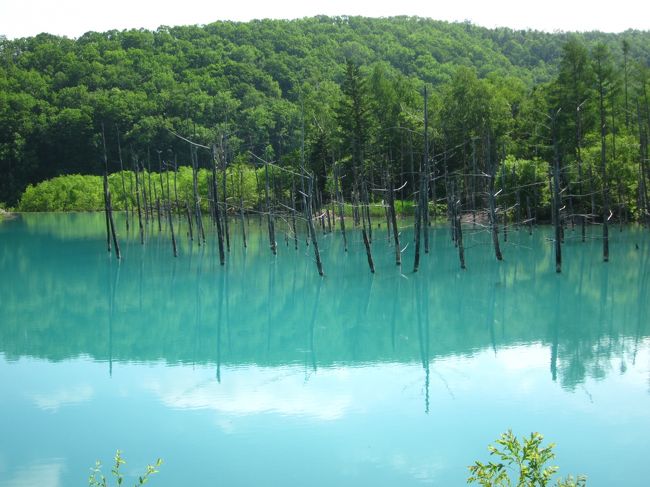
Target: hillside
(247, 79)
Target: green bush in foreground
(526, 462)
(97, 479)
(521, 464)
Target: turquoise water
(262, 373)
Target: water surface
(262, 373)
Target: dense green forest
(349, 90)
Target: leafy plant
(524, 461)
(97, 479)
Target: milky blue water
(262, 373)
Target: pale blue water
(261, 373)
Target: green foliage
(520, 463)
(64, 193)
(85, 193)
(350, 87)
(97, 479)
(525, 178)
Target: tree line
(344, 98)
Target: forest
(542, 122)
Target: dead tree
(137, 198)
(241, 205)
(294, 230)
(224, 191)
(215, 195)
(269, 211)
(178, 207)
(556, 196)
(425, 167)
(110, 223)
(364, 233)
(189, 220)
(494, 224)
(126, 201)
(170, 218)
(458, 230)
(339, 200)
(393, 220)
(418, 222)
(312, 231)
(644, 203)
(197, 199)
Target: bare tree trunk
(418, 223)
(241, 205)
(269, 211)
(109, 209)
(425, 169)
(197, 200)
(459, 232)
(339, 200)
(150, 198)
(169, 216)
(366, 239)
(225, 202)
(137, 199)
(178, 206)
(158, 212)
(189, 220)
(126, 202)
(556, 198)
(529, 216)
(603, 172)
(494, 224)
(171, 228)
(474, 174)
(365, 207)
(217, 216)
(307, 201)
(644, 205)
(393, 218)
(110, 223)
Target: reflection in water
(54, 400)
(422, 301)
(43, 473)
(590, 315)
(264, 357)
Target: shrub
(526, 461)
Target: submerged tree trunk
(124, 195)
(364, 232)
(393, 219)
(269, 211)
(307, 202)
(178, 207)
(189, 220)
(459, 232)
(109, 210)
(215, 195)
(418, 223)
(137, 199)
(110, 223)
(556, 199)
(225, 200)
(171, 228)
(339, 200)
(494, 225)
(424, 209)
(644, 204)
(241, 205)
(197, 199)
(170, 217)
